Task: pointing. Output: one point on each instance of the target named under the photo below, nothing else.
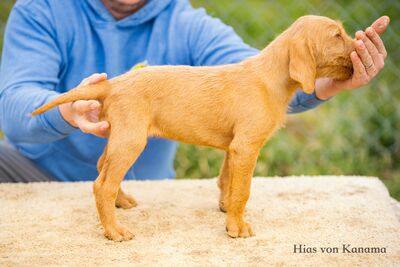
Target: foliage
(5, 7)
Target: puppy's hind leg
(123, 200)
(123, 148)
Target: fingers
(380, 25)
(83, 106)
(85, 113)
(366, 58)
(86, 117)
(369, 55)
(377, 41)
(94, 78)
(359, 70)
(371, 48)
(100, 129)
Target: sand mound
(177, 223)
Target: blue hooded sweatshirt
(51, 45)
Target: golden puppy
(233, 107)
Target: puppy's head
(319, 47)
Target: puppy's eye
(338, 35)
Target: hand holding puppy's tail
(86, 92)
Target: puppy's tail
(97, 91)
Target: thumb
(380, 25)
(100, 129)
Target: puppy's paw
(125, 201)
(238, 228)
(118, 233)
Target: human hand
(84, 114)
(368, 60)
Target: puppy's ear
(302, 66)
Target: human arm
(30, 67)
(29, 77)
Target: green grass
(356, 133)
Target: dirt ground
(178, 223)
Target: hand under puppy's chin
(339, 73)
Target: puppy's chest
(281, 123)
(273, 123)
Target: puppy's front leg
(242, 160)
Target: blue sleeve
(211, 42)
(302, 102)
(29, 72)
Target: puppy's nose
(350, 46)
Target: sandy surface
(177, 223)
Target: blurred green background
(356, 133)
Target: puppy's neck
(272, 67)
